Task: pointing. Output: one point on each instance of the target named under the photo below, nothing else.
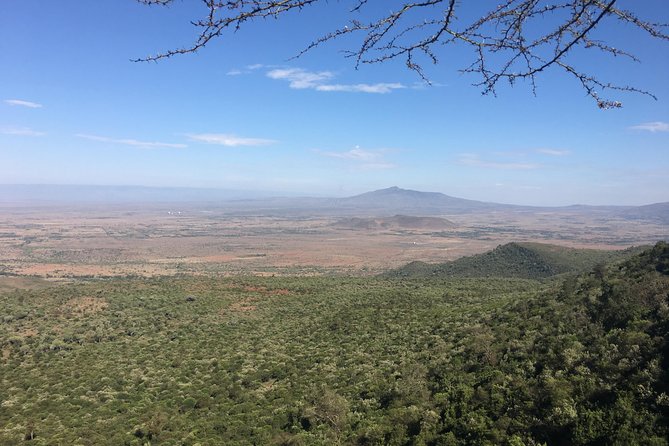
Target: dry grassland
(62, 243)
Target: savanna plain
(186, 324)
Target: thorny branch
(518, 39)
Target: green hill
(519, 260)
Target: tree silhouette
(515, 40)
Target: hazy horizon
(35, 193)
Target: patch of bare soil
(83, 306)
(242, 306)
(27, 332)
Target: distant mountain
(396, 222)
(658, 212)
(379, 203)
(394, 200)
(519, 260)
(412, 201)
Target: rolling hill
(658, 212)
(519, 260)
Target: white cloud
(20, 131)
(380, 88)
(301, 79)
(422, 85)
(553, 152)
(228, 140)
(132, 142)
(357, 154)
(655, 126)
(468, 159)
(363, 159)
(247, 69)
(22, 103)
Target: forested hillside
(360, 361)
(521, 260)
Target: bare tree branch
(518, 39)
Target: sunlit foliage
(301, 361)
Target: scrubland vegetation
(579, 359)
(520, 260)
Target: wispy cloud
(228, 140)
(357, 154)
(132, 142)
(473, 160)
(655, 126)
(363, 159)
(22, 103)
(246, 70)
(422, 85)
(380, 88)
(553, 152)
(20, 131)
(301, 79)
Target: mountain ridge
(381, 202)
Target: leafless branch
(516, 40)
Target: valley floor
(71, 242)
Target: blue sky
(242, 114)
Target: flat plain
(58, 242)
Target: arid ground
(62, 242)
